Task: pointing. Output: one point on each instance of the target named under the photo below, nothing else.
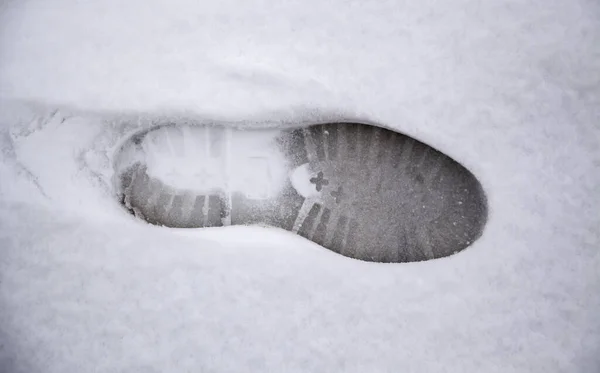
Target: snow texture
(508, 88)
(205, 159)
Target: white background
(508, 88)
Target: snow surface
(206, 159)
(508, 88)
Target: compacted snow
(508, 88)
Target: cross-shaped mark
(319, 181)
(337, 194)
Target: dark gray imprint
(362, 191)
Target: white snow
(212, 159)
(508, 88)
(300, 179)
